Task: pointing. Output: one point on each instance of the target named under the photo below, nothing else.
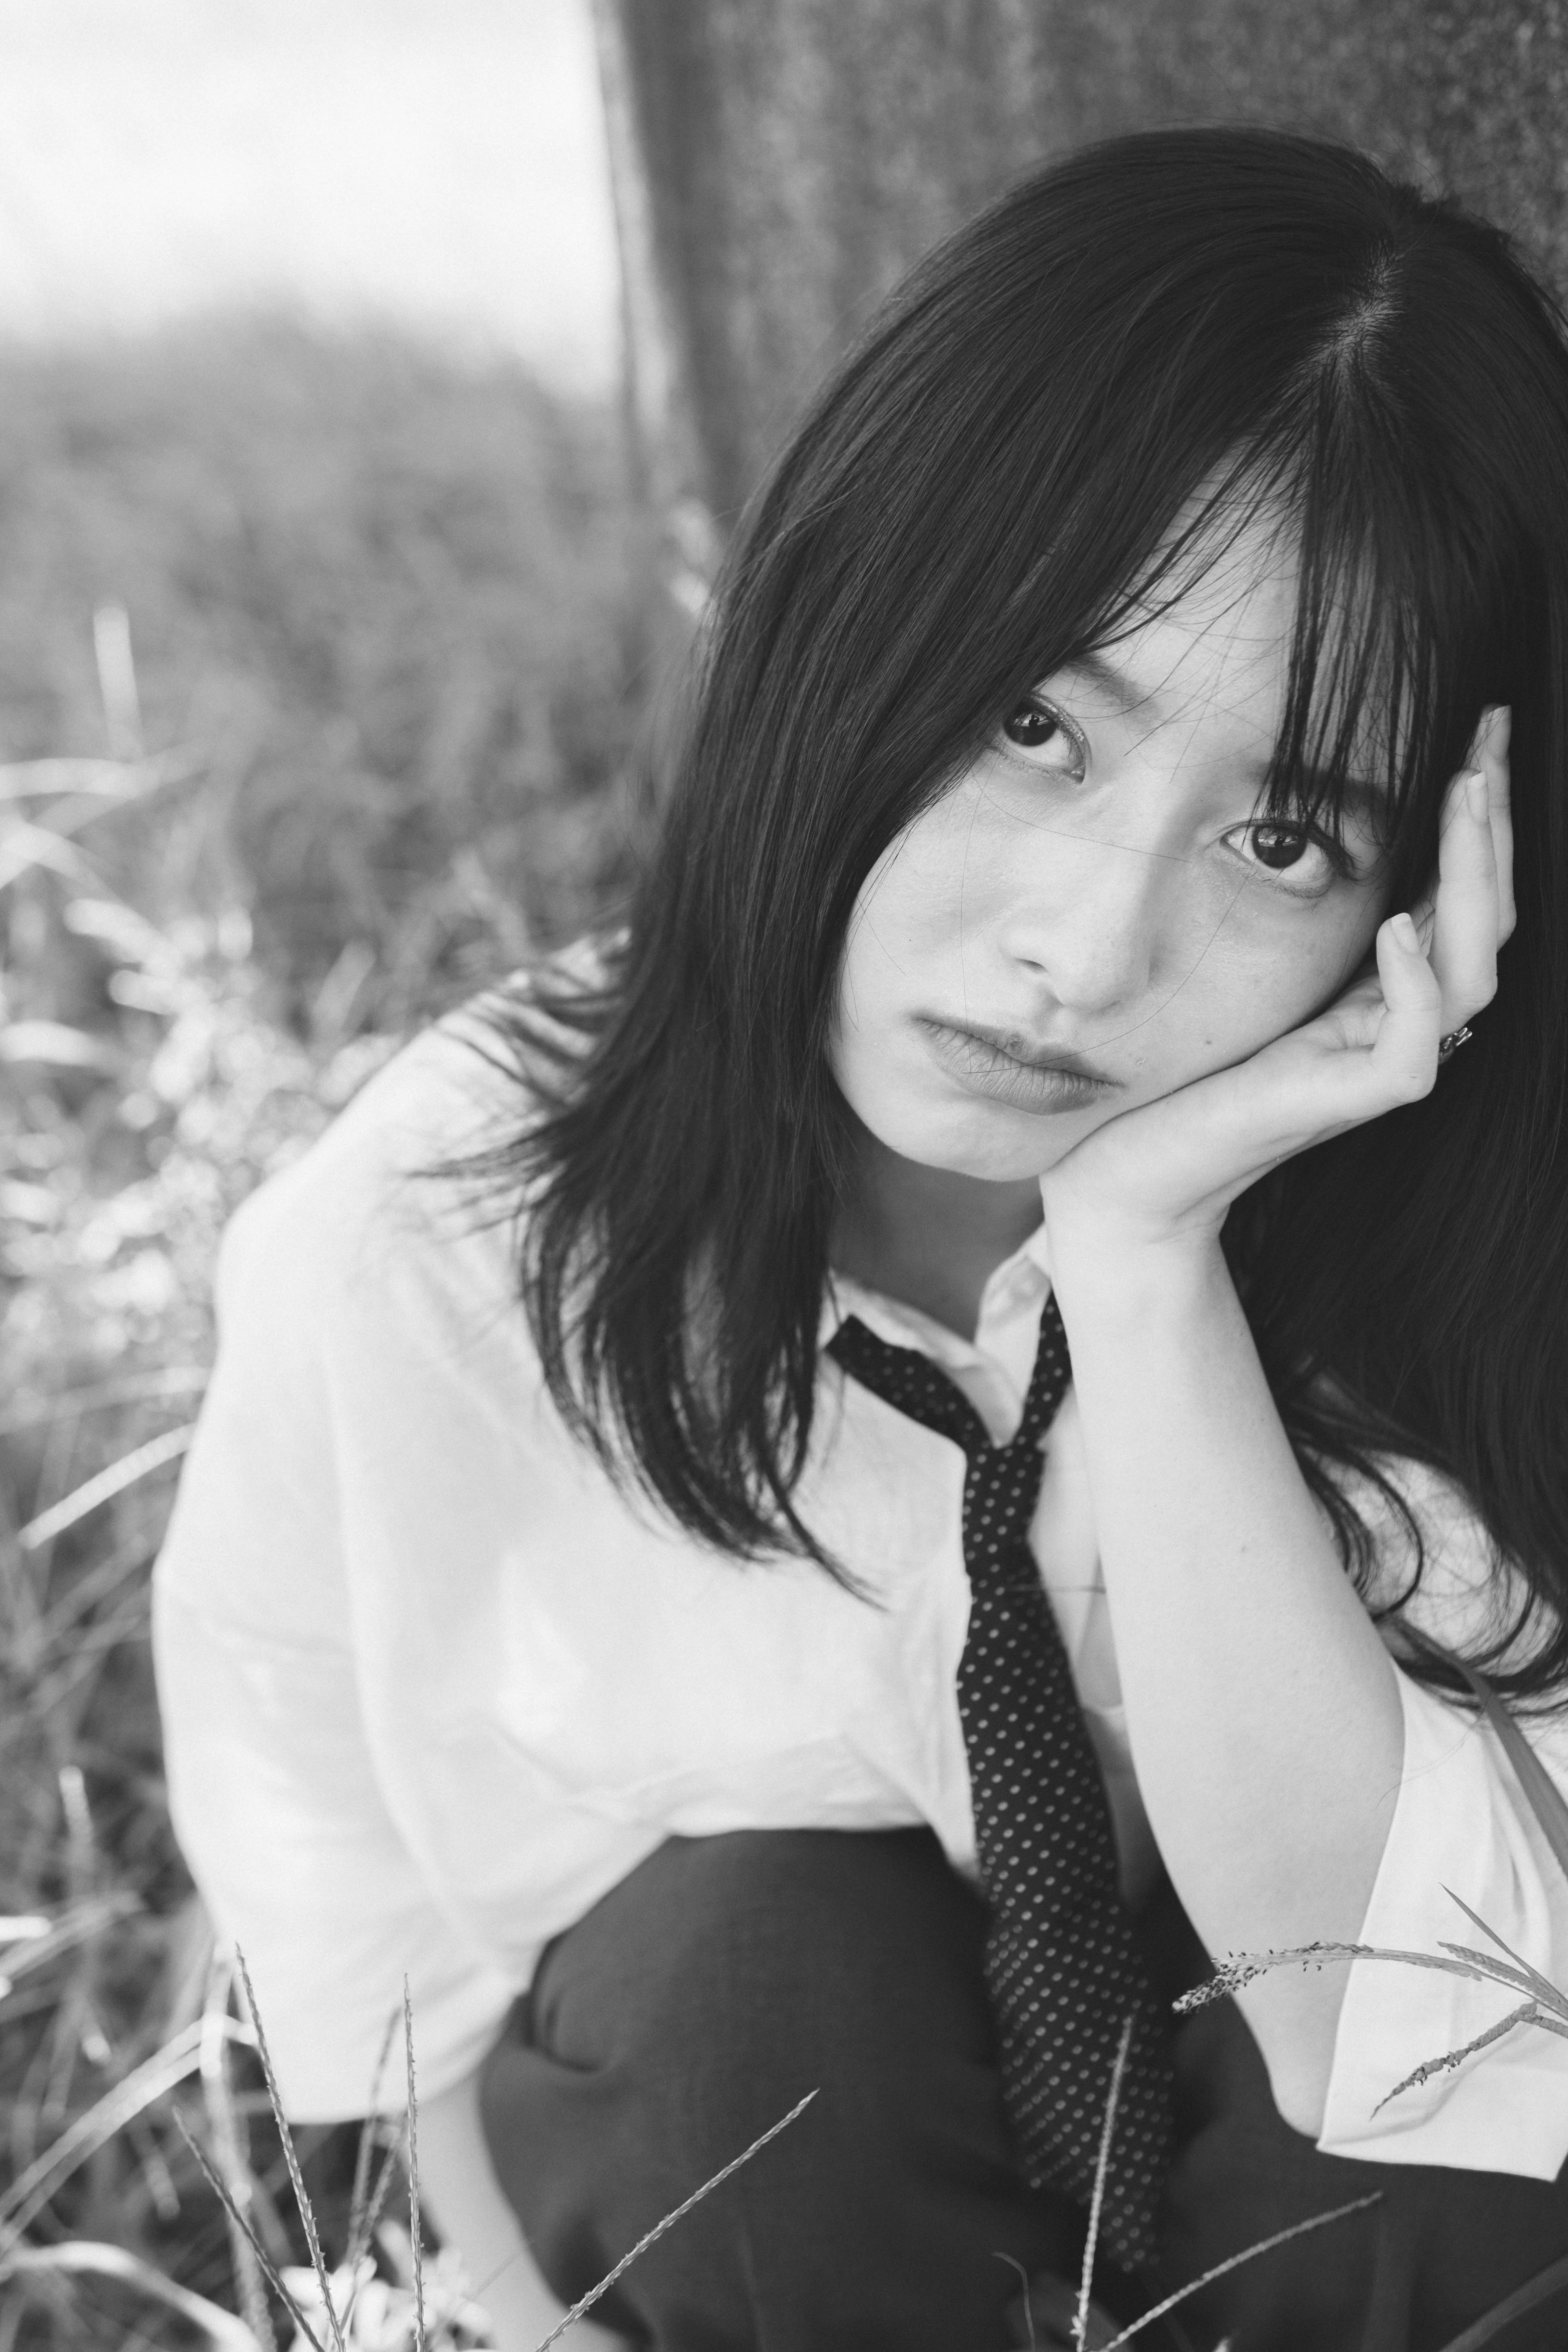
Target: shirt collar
(1024, 1276)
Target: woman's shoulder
(434, 1099)
(410, 1176)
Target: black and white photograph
(784, 1175)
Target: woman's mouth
(981, 1064)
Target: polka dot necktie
(1061, 1965)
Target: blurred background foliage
(385, 601)
(320, 674)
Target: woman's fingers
(1375, 1049)
(1404, 1051)
(1467, 925)
(1491, 757)
(1459, 893)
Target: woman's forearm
(459, 2186)
(1263, 1711)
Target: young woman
(1008, 1338)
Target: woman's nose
(1096, 920)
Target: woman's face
(1096, 886)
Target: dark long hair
(1185, 323)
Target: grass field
(319, 665)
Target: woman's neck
(928, 1235)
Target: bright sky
(438, 162)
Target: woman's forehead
(1223, 570)
(1214, 651)
(1215, 638)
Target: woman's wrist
(1115, 1273)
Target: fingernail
(1475, 794)
(1404, 929)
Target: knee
(817, 1946)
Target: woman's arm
(1264, 1715)
(468, 2207)
(1263, 1710)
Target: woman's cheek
(1300, 969)
(908, 901)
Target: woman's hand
(1167, 1171)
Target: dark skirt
(729, 1976)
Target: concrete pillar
(778, 163)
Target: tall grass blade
(117, 684)
(365, 2210)
(669, 2221)
(227, 2136)
(1264, 2246)
(383, 2189)
(1542, 1987)
(76, 1925)
(268, 2268)
(1527, 2014)
(220, 2327)
(32, 2190)
(1028, 2307)
(371, 2220)
(1239, 1969)
(1501, 1972)
(1101, 2168)
(28, 846)
(359, 2200)
(1545, 2283)
(26, 780)
(120, 1474)
(416, 2235)
(81, 1845)
(1546, 2007)
(307, 2211)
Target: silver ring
(1452, 1042)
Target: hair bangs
(1404, 627)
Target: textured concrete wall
(780, 163)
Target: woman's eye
(1037, 729)
(1296, 850)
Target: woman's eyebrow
(1357, 797)
(1367, 800)
(1115, 683)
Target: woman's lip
(983, 1066)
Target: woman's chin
(987, 1141)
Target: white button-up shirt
(432, 1684)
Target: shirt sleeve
(273, 1787)
(1462, 1826)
